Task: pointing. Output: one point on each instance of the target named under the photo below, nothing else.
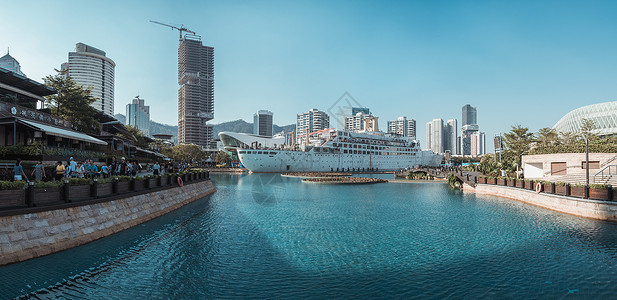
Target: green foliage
(186, 153)
(137, 136)
(12, 185)
(48, 184)
(222, 157)
(598, 186)
(587, 129)
(20, 150)
(454, 181)
(79, 181)
(560, 183)
(72, 103)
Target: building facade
(451, 143)
(309, 122)
(402, 126)
(435, 136)
(138, 115)
(603, 114)
(89, 67)
(9, 63)
(196, 93)
(478, 143)
(470, 115)
(262, 123)
(469, 128)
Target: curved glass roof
(604, 114)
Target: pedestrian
(79, 171)
(19, 171)
(155, 169)
(105, 171)
(39, 171)
(60, 171)
(72, 167)
(86, 166)
(94, 170)
(113, 166)
(122, 168)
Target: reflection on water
(263, 235)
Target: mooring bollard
(30, 194)
(66, 189)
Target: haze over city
(524, 63)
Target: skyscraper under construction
(196, 93)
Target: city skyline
(522, 63)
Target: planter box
(512, 182)
(152, 183)
(501, 182)
(48, 196)
(560, 190)
(482, 180)
(577, 192)
(598, 194)
(123, 187)
(546, 188)
(9, 198)
(79, 192)
(530, 185)
(139, 184)
(104, 190)
(519, 184)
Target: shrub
(48, 184)
(12, 185)
(79, 181)
(560, 183)
(598, 186)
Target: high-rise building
(469, 128)
(138, 115)
(196, 93)
(478, 143)
(403, 126)
(470, 115)
(451, 140)
(348, 111)
(355, 122)
(435, 136)
(262, 123)
(89, 67)
(309, 122)
(11, 64)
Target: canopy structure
(55, 131)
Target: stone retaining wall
(593, 209)
(31, 235)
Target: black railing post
(30, 194)
(114, 186)
(531, 187)
(132, 184)
(147, 182)
(158, 181)
(567, 189)
(586, 191)
(66, 190)
(552, 188)
(207, 174)
(95, 188)
(609, 193)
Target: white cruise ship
(332, 150)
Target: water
(266, 236)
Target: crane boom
(182, 28)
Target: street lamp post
(587, 160)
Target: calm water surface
(266, 236)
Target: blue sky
(519, 62)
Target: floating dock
(344, 180)
(316, 174)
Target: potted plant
(12, 193)
(577, 190)
(598, 192)
(47, 192)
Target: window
(592, 164)
(559, 168)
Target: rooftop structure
(9, 63)
(603, 114)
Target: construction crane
(182, 28)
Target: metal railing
(610, 170)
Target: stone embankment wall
(31, 235)
(593, 209)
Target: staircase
(581, 179)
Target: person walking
(60, 171)
(39, 172)
(105, 171)
(155, 169)
(18, 171)
(94, 170)
(72, 167)
(79, 171)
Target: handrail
(609, 170)
(609, 161)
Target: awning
(55, 131)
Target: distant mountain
(233, 126)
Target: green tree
(72, 103)
(517, 143)
(222, 157)
(186, 152)
(568, 138)
(587, 129)
(137, 136)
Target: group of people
(85, 169)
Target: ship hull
(278, 161)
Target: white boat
(332, 150)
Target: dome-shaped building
(9, 63)
(604, 114)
